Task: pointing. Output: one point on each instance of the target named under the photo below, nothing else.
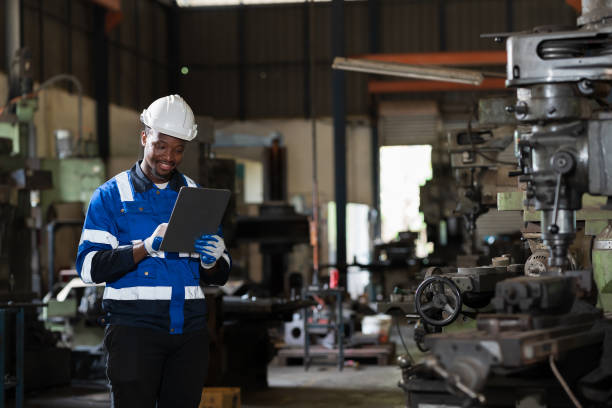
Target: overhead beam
(113, 13)
(465, 58)
(110, 5)
(382, 87)
(576, 5)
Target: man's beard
(165, 177)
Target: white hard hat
(172, 116)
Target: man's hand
(153, 243)
(210, 248)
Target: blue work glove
(153, 243)
(211, 248)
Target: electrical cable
(403, 342)
(566, 387)
(48, 83)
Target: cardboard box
(220, 397)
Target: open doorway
(403, 170)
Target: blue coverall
(161, 295)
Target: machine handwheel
(438, 301)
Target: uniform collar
(142, 183)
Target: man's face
(162, 154)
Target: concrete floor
(292, 387)
(368, 386)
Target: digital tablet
(197, 211)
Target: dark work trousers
(146, 367)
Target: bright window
(358, 243)
(403, 170)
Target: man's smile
(166, 166)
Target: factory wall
(297, 137)
(252, 62)
(58, 110)
(60, 35)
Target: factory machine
(480, 158)
(28, 352)
(474, 159)
(548, 340)
(480, 162)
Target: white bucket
(378, 325)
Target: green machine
(602, 266)
(592, 248)
(21, 181)
(75, 179)
(64, 207)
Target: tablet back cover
(197, 211)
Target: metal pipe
(35, 213)
(19, 356)
(374, 13)
(452, 58)
(51, 228)
(13, 41)
(2, 355)
(461, 76)
(101, 88)
(314, 228)
(339, 115)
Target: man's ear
(143, 138)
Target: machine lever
(454, 380)
(562, 163)
(554, 228)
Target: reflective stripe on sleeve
(123, 184)
(139, 293)
(99, 237)
(193, 292)
(86, 268)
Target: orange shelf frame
(576, 4)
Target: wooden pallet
(382, 354)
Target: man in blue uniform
(156, 334)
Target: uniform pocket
(137, 207)
(140, 219)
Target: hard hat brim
(187, 137)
